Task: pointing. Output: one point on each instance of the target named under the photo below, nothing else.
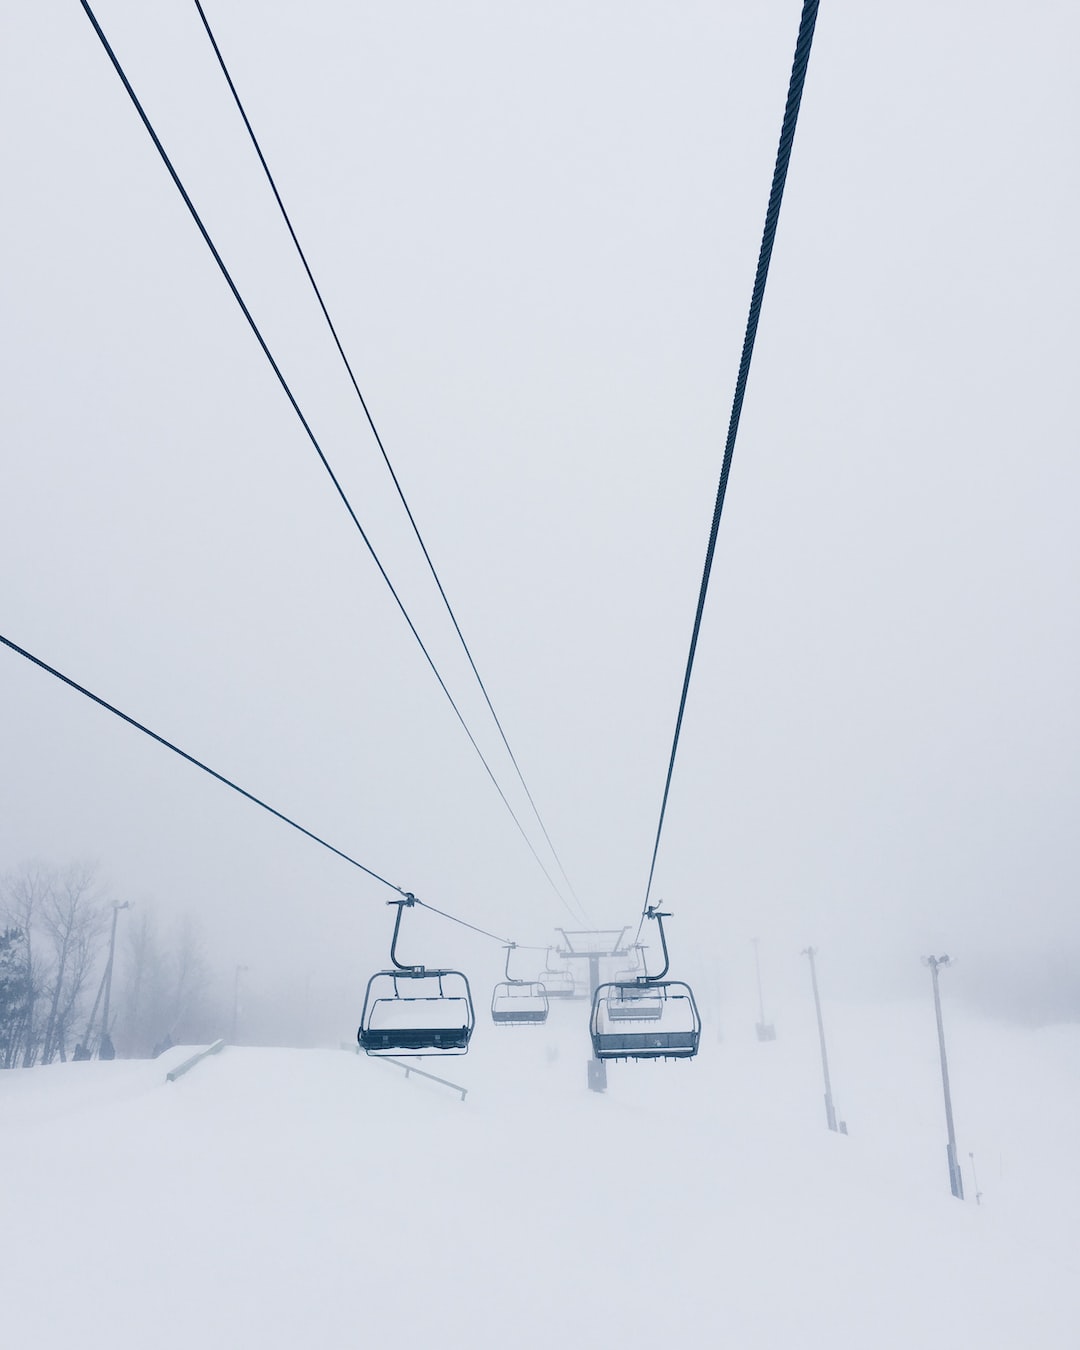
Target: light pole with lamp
(956, 1180)
(830, 1110)
(106, 1049)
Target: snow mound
(285, 1197)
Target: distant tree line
(54, 983)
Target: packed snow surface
(318, 1198)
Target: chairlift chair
(631, 1000)
(637, 970)
(558, 983)
(634, 1002)
(518, 1003)
(649, 1017)
(413, 1010)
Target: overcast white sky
(537, 227)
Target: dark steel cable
(235, 787)
(310, 434)
(482, 931)
(379, 441)
(95, 698)
(772, 216)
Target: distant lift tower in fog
(240, 970)
(765, 1030)
(956, 1180)
(594, 946)
(830, 1110)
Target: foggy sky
(536, 228)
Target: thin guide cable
(310, 433)
(379, 441)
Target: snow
(276, 1197)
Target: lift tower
(593, 945)
(765, 1030)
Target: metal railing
(181, 1069)
(411, 1068)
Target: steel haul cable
(235, 787)
(378, 439)
(772, 216)
(308, 430)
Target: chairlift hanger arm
(659, 916)
(406, 902)
(509, 978)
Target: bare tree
(165, 989)
(191, 978)
(72, 917)
(144, 991)
(24, 894)
(136, 954)
(15, 994)
(53, 936)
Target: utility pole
(106, 1049)
(830, 1110)
(765, 1030)
(240, 970)
(956, 1180)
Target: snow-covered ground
(318, 1198)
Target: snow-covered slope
(317, 1198)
